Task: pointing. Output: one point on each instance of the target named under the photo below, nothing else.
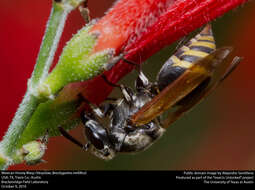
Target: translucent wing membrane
(193, 100)
(213, 67)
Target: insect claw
(45, 138)
(113, 61)
(86, 147)
(85, 11)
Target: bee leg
(72, 139)
(127, 92)
(85, 11)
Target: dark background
(217, 134)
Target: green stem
(19, 122)
(30, 102)
(50, 42)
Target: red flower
(141, 28)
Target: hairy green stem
(30, 102)
(19, 122)
(50, 42)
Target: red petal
(140, 28)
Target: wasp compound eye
(96, 134)
(94, 138)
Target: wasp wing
(193, 100)
(214, 65)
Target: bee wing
(214, 65)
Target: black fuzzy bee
(134, 121)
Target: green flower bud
(77, 63)
(31, 153)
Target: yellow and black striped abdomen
(198, 47)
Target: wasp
(135, 122)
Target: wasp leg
(112, 99)
(113, 62)
(130, 62)
(45, 138)
(119, 145)
(109, 82)
(96, 110)
(182, 42)
(72, 139)
(85, 11)
(142, 82)
(127, 92)
(107, 108)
